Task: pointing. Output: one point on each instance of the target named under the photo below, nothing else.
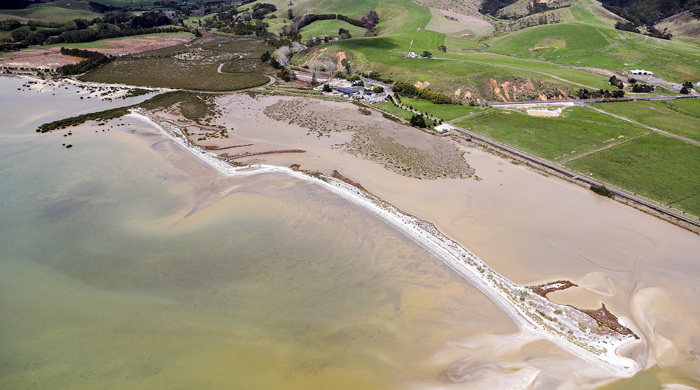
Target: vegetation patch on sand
(170, 67)
(424, 160)
(196, 107)
(576, 131)
(655, 166)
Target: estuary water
(125, 263)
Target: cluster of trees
(418, 121)
(615, 82)
(285, 74)
(599, 94)
(649, 12)
(370, 20)
(491, 7)
(113, 24)
(344, 34)
(656, 33)
(602, 190)
(260, 10)
(92, 60)
(687, 86)
(627, 26)
(269, 59)
(639, 87)
(650, 30)
(258, 28)
(410, 90)
(376, 76)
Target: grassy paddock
(446, 112)
(656, 166)
(331, 27)
(400, 112)
(578, 130)
(658, 114)
(688, 106)
(48, 14)
(584, 44)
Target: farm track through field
(664, 132)
(566, 160)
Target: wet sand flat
(529, 227)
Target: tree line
(113, 24)
(92, 60)
(410, 90)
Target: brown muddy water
(125, 263)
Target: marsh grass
(193, 65)
(441, 160)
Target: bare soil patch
(51, 58)
(469, 20)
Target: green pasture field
(386, 56)
(657, 114)
(401, 113)
(391, 108)
(331, 27)
(687, 106)
(446, 112)
(581, 44)
(456, 45)
(402, 17)
(576, 131)
(48, 14)
(656, 166)
(193, 67)
(351, 8)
